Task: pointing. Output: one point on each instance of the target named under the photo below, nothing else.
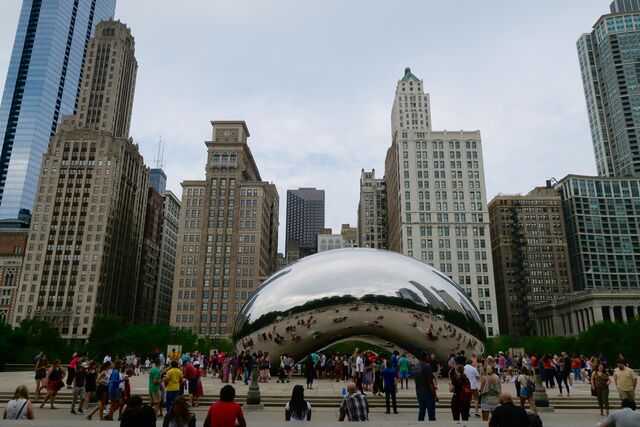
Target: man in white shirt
(472, 373)
(359, 370)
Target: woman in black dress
(310, 371)
(41, 373)
(91, 382)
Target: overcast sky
(315, 81)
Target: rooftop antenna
(159, 160)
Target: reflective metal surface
(345, 293)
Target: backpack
(530, 387)
(466, 395)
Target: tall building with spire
(436, 198)
(82, 259)
(228, 235)
(42, 86)
(608, 60)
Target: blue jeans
(577, 374)
(246, 375)
(171, 396)
(426, 404)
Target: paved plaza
(586, 415)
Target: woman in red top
(225, 412)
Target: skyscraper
(305, 219)
(42, 85)
(85, 241)
(436, 198)
(372, 211)
(228, 235)
(167, 258)
(158, 179)
(608, 60)
(530, 256)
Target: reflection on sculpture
(346, 293)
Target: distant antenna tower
(159, 160)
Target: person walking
(79, 387)
(42, 365)
(173, 381)
(297, 409)
(627, 416)
(508, 415)
(154, 388)
(180, 416)
(600, 386)
(471, 372)
(102, 390)
(460, 386)
(527, 387)
(490, 389)
(355, 406)
(626, 381)
(19, 408)
(115, 392)
(91, 383)
(425, 388)
(390, 380)
(225, 412)
(54, 383)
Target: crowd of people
(477, 385)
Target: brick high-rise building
(530, 256)
(167, 258)
(436, 198)
(305, 219)
(227, 238)
(372, 211)
(82, 259)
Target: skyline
(326, 96)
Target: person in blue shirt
(390, 378)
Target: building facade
(348, 238)
(436, 199)
(608, 60)
(227, 238)
(83, 256)
(305, 219)
(158, 180)
(372, 211)
(167, 258)
(575, 313)
(530, 256)
(42, 85)
(13, 242)
(148, 276)
(602, 218)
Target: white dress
(13, 408)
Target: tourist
(71, 371)
(548, 370)
(115, 391)
(378, 367)
(527, 387)
(248, 366)
(154, 388)
(102, 390)
(309, 371)
(390, 381)
(226, 412)
(173, 381)
(42, 365)
(460, 386)
(625, 417)
(288, 363)
(576, 367)
(489, 391)
(626, 380)
(19, 408)
(508, 415)
(107, 358)
(138, 414)
(403, 365)
(562, 374)
(192, 377)
(297, 409)
(435, 366)
(264, 365)
(79, 387)
(180, 416)
(471, 372)
(600, 386)
(91, 383)
(354, 405)
(174, 356)
(425, 389)
(54, 383)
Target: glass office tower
(42, 86)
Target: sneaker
(80, 411)
(73, 412)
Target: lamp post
(540, 396)
(253, 395)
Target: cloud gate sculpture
(364, 294)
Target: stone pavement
(322, 416)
